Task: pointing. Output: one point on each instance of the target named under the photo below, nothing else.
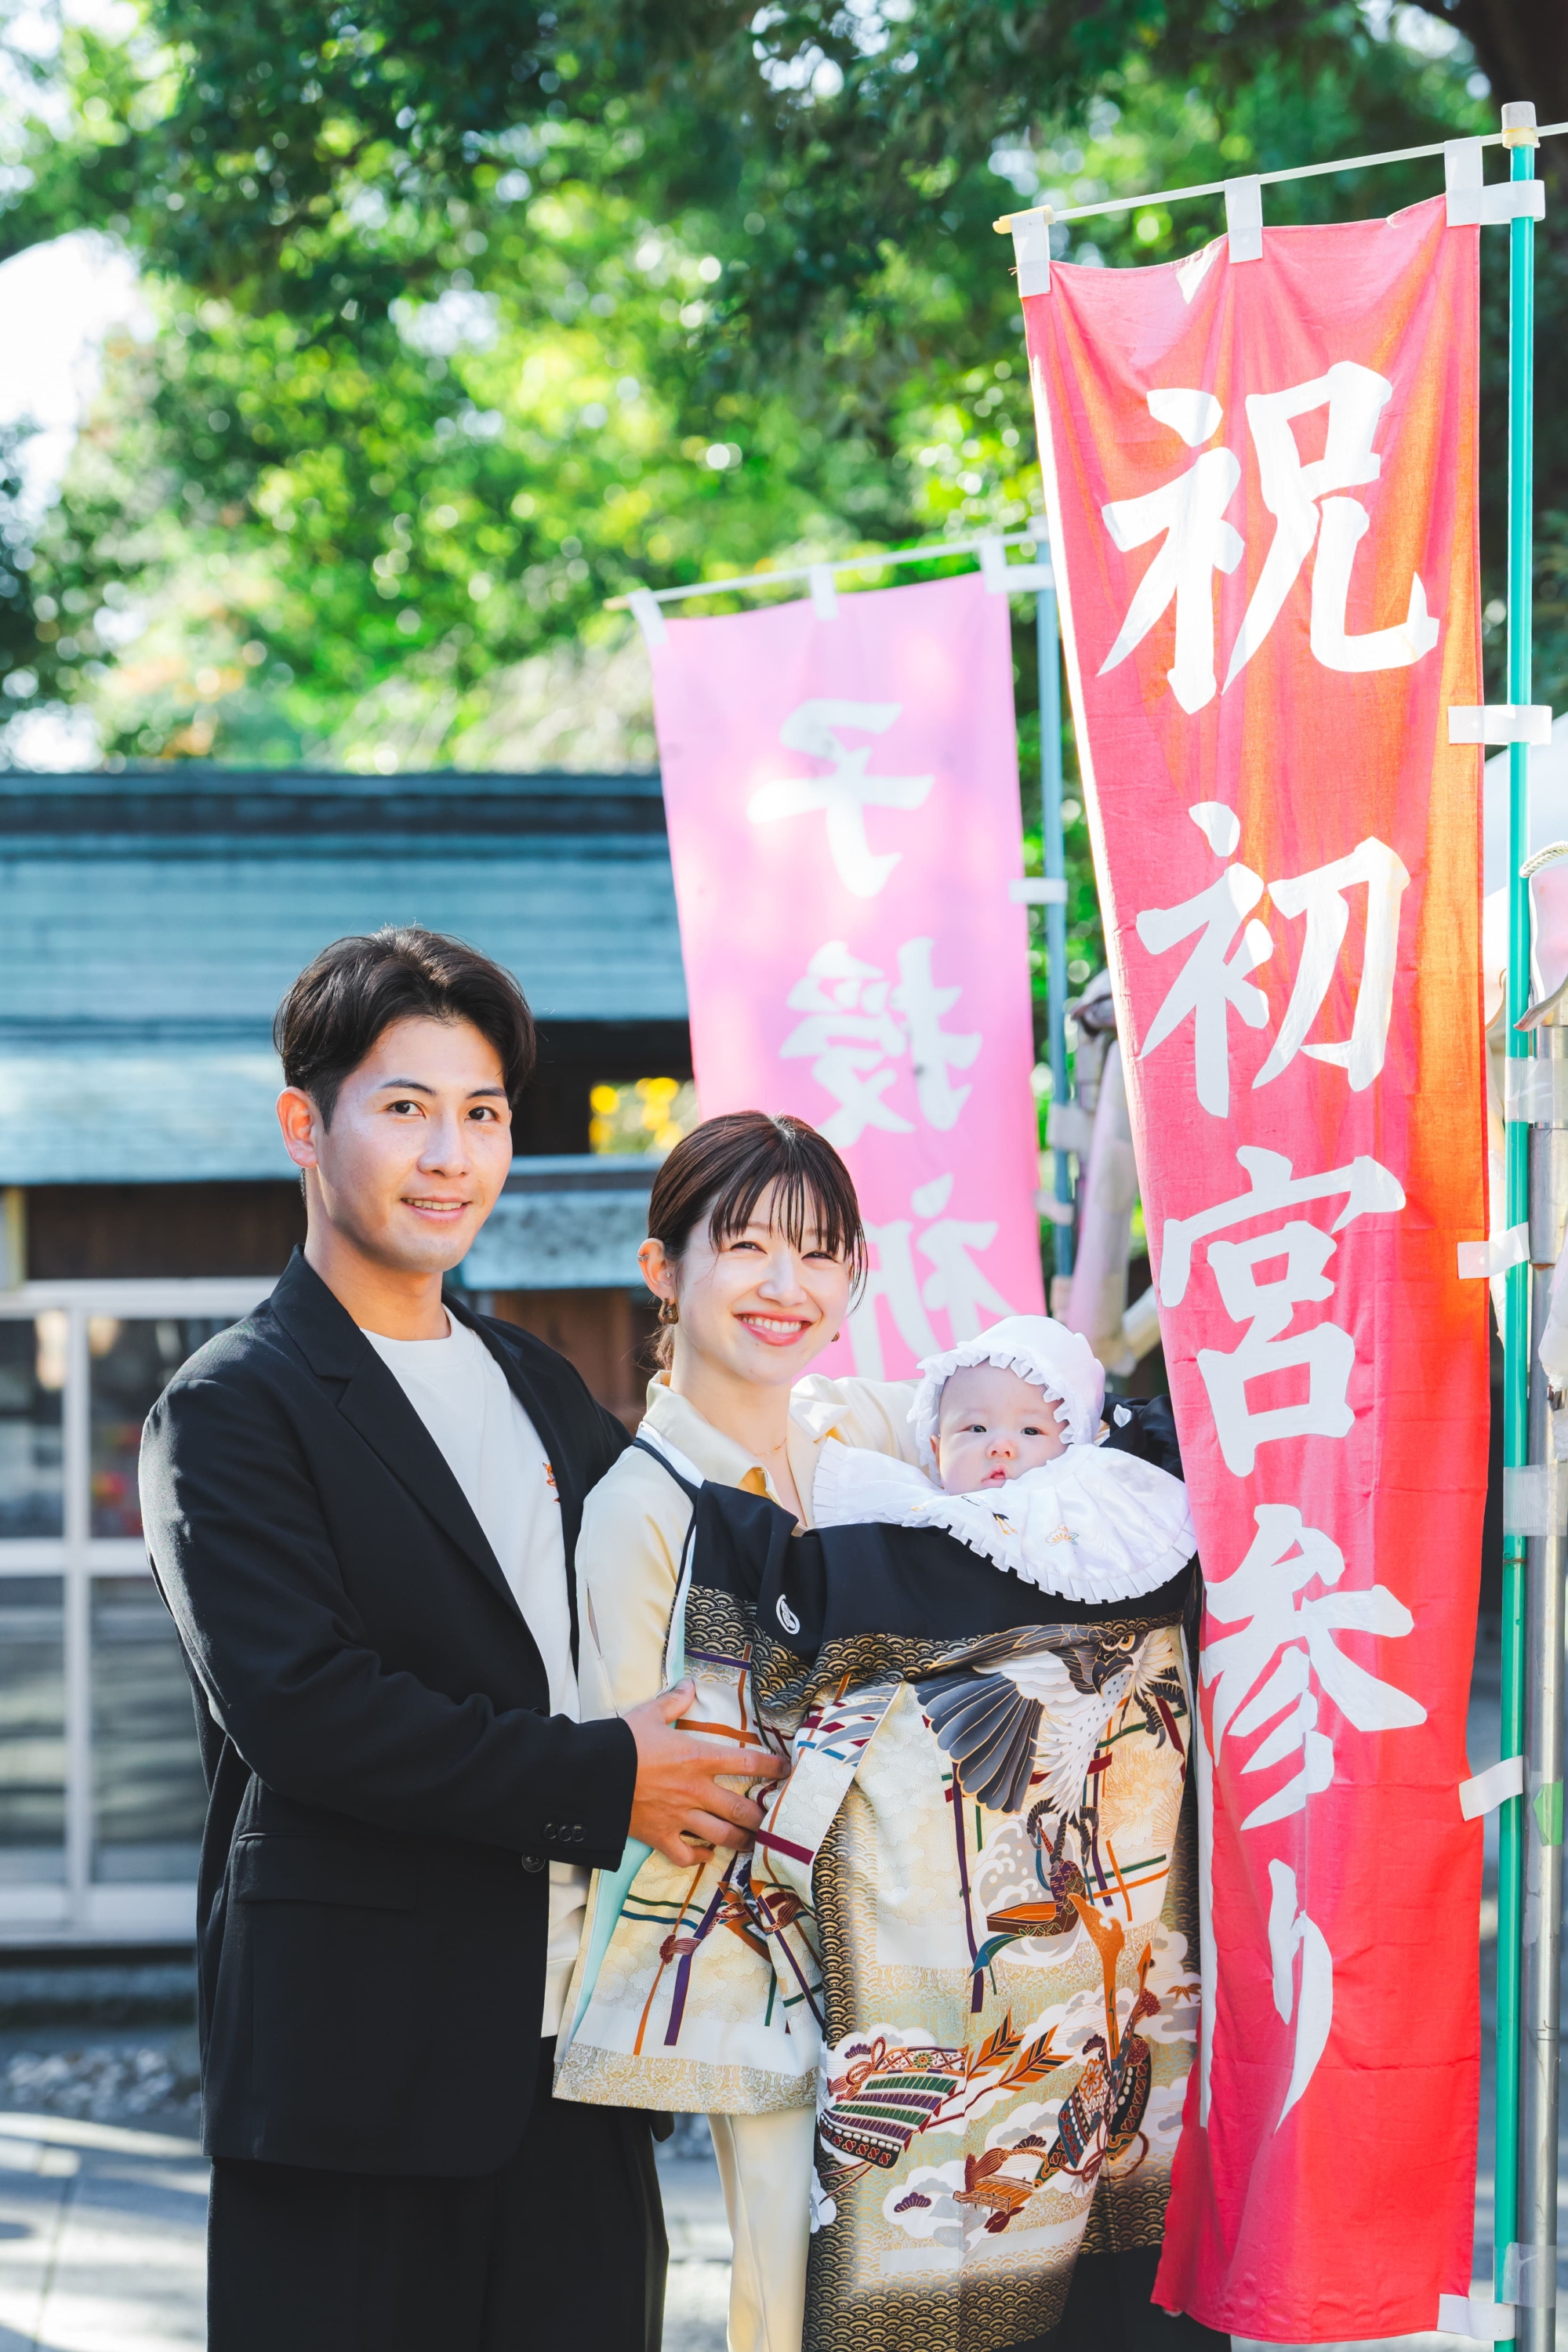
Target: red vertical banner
(1262, 480)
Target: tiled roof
(148, 925)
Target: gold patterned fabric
(967, 1928)
(1010, 1997)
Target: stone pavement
(101, 2237)
(102, 2190)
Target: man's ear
(302, 1122)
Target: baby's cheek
(958, 1467)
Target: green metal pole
(1516, 1337)
(1055, 862)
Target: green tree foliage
(474, 316)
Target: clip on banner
(1488, 1789)
(1244, 219)
(643, 605)
(1479, 1261)
(1473, 2316)
(1472, 205)
(1005, 579)
(1032, 250)
(824, 593)
(1501, 723)
(1039, 890)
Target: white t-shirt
(493, 1450)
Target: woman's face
(753, 1305)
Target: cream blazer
(635, 1521)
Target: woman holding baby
(960, 1611)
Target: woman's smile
(775, 1330)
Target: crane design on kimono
(1020, 1707)
(1022, 1711)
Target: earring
(669, 1310)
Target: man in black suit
(361, 1505)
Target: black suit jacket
(386, 1784)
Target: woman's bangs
(805, 1197)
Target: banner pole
(1047, 645)
(1516, 1339)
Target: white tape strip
(1492, 1787)
(1039, 890)
(824, 594)
(1473, 2316)
(1032, 252)
(1005, 579)
(1530, 2276)
(1056, 1213)
(1480, 1260)
(1473, 204)
(1244, 219)
(1535, 1092)
(644, 612)
(1500, 723)
(1069, 1128)
(1527, 1498)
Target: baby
(1009, 1432)
(993, 1426)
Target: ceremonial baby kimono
(967, 1929)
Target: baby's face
(993, 1426)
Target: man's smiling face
(417, 1148)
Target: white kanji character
(1369, 1188)
(956, 1286)
(1321, 897)
(1293, 487)
(922, 1003)
(1289, 1932)
(852, 1037)
(845, 793)
(1198, 542)
(1286, 1650)
(1212, 980)
(1326, 1351)
(892, 1276)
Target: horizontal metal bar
(1266, 179)
(1039, 538)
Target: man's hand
(679, 1805)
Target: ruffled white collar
(1094, 1525)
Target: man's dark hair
(340, 1003)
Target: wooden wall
(607, 1334)
(84, 1233)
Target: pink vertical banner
(842, 796)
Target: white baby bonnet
(1094, 1525)
(1043, 1352)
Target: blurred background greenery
(459, 317)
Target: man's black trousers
(563, 2250)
